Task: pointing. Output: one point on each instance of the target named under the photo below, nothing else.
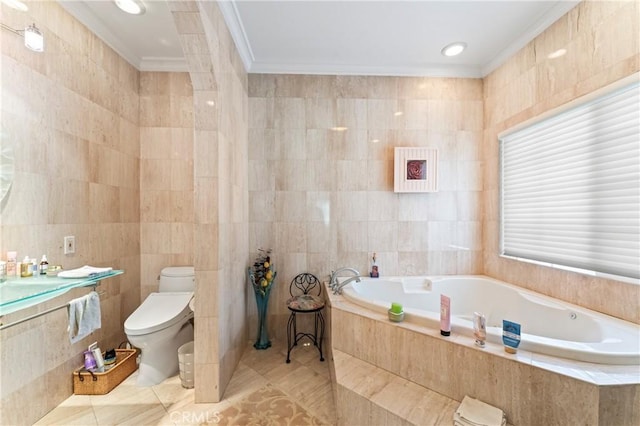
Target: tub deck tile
(352, 409)
(399, 396)
(433, 409)
(386, 398)
(361, 377)
(353, 372)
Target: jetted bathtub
(549, 326)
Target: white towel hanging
(84, 316)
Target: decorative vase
(262, 340)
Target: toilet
(161, 324)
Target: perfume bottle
(44, 264)
(374, 267)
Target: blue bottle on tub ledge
(374, 268)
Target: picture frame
(415, 170)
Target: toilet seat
(157, 312)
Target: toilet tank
(177, 278)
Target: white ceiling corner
(132, 36)
(81, 11)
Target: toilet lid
(157, 312)
(178, 271)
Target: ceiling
(392, 37)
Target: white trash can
(185, 362)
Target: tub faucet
(337, 287)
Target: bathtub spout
(333, 281)
(338, 289)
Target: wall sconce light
(33, 38)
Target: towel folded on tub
(473, 412)
(84, 316)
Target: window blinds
(571, 187)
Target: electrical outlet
(69, 244)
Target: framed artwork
(415, 170)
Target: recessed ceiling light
(398, 113)
(339, 129)
(454, 49)
(16, 4)
(133, 7)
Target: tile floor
(264, 390)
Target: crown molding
(84, 15)
(238, 34)
(453, 71)
(530, 33)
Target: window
(570, 185)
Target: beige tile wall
(220, 193)
(323, 199)
(71, 116)
(166, 174)
(601, 39)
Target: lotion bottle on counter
(25, 267)
(34, 267)
(12, 258)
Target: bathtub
(549, 326)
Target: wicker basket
(86, 383)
